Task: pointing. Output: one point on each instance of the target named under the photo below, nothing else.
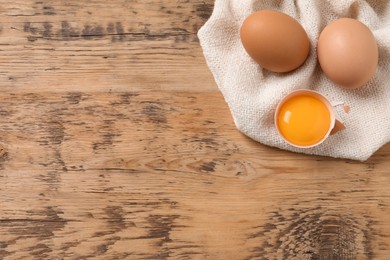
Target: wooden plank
(134, 175)
(102, 46)
(116, 144)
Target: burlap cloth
(253, 93)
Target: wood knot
(315, 234)
(3, 153)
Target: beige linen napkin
(253, 93)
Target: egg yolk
(304, 120)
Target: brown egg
(348, 53)
(275, 40)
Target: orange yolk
(304, 120)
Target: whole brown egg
(275, 40)
(348, 53)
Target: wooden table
(117, 144)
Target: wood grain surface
(116, 144)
